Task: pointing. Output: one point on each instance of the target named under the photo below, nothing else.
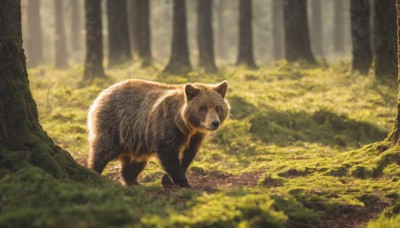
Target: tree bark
(142, 33)
(23, 142)
(34, 41)
(76, 26)
(385, 49)
(316, 28)
(297, 38)
(118, 34)
(360, 30)
(205, 35)
(94, 41)
(246, 56)
(132, 8)
(61, 56)
(277, 31)
(179, 60)
(338, 31)
(220, 28)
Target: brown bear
(134, 119)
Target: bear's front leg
(169, 158)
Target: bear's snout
(215, 124)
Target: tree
(179, 60)
(94, 41)
(220, 28)
(34, 41)
(142, 34)
(76, 26)
(245, 56)
(23, 143)
(316, 27)
(118, 35)
(277, 31)
(384, 42)
(61, 57)
(338, 31)
(394, 136)
(297, 38)
(360, 34)
(205, 34)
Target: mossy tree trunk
(338, 25)
(94, 41)
(205, 35)
(118, 35)
(246, 56)
(277, 31)
(34, 41)
(384, 42)
(142, 32)
(179, 60)
(61, 56)
(76, 26)
(394, 136)
(360, 34)
(316, 28)
(297, 37)
(23, 143)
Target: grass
(315, 136)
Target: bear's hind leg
(100, 155)
(130, 170)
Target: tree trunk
(34, 41)
(142, 33)
(277, 31)
(316, 28)
(132, 8)
(23, 143)
(205, 34)
(94, 41)
(118, 34)
(61, 57)
(338, 31)
(76, 41)
(220, 28)
(179, 60)
(297, 38)
(360, 30)
(385, 49)
(246, 56)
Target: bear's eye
(203, 109)
(218, 109)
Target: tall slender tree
(360, 30)
(142, 33)
(277, 31)
(132, 8)
(316, 27)
(246, 56)
(394, 136)
(338, 31)
(297, 37)
(384, 43)
(23, 143)
(119, 50)
(220, 31)
(61, 56)
(179, 60)
(34, 41)
(205, 35)
(76, 26)
(94, 41)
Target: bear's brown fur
(135, 119)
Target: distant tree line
(294, 37)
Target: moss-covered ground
(304, 147)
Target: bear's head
(206, 107)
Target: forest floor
(304, 147)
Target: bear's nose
(215, 123)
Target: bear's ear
(190, 91)
(222, 88)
